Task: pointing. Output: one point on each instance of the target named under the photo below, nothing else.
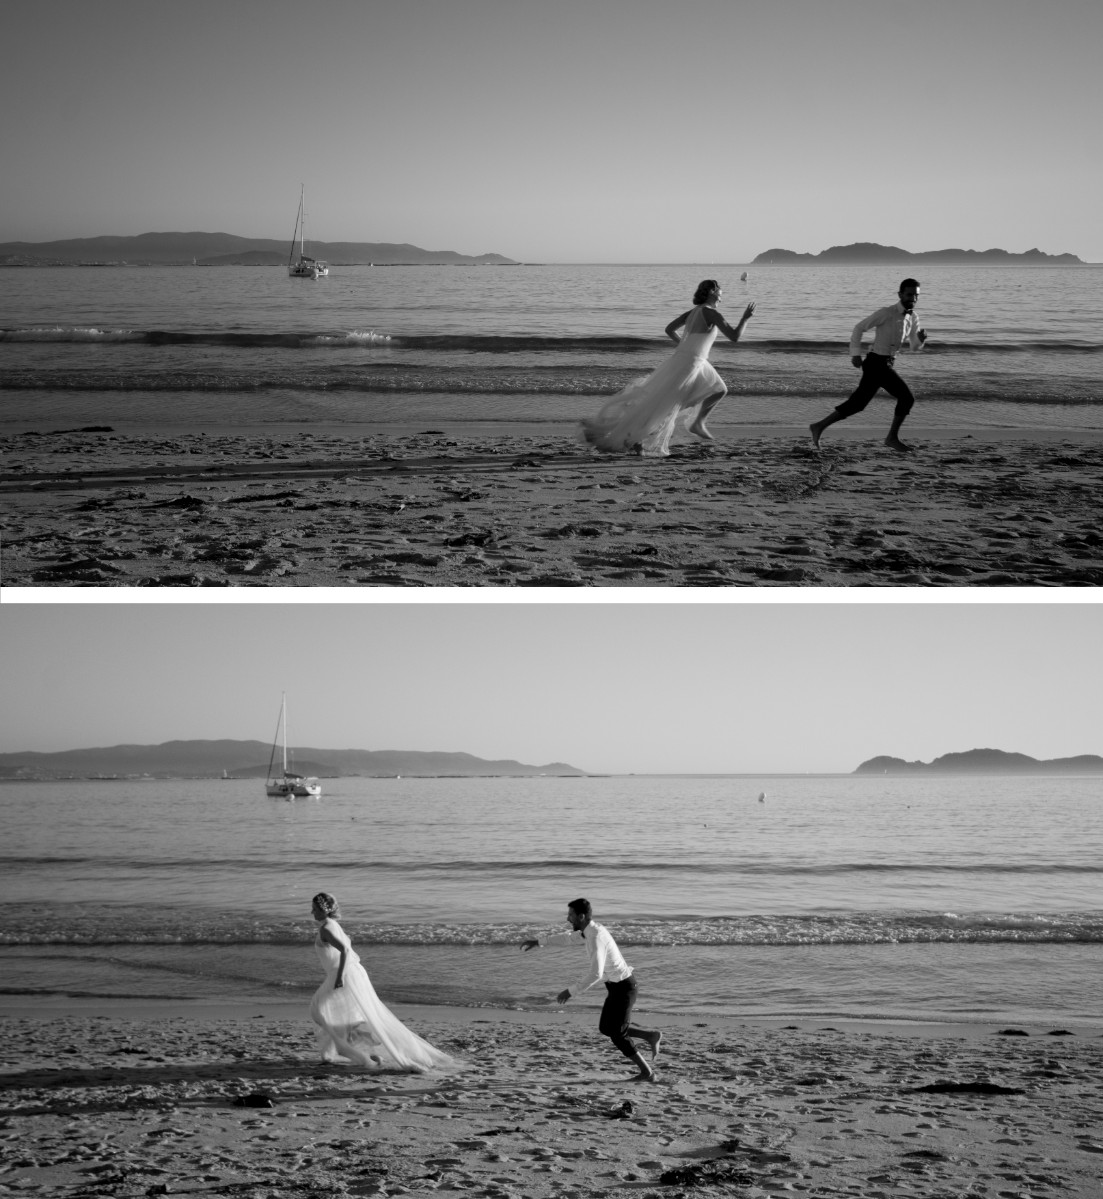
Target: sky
(607, 687)
(705, 131)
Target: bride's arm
(327, 936)
(675, 325)
(736, 333)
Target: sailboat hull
(287, 784)
(306, 267)
(297, 789)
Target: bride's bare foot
(699, 430)
(654, 1040)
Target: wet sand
(512, 505)
(130, 1098)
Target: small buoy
(762, 797)
(743, 277)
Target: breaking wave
(171, 926)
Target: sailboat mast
(302, 227)
(298, 218)
(284, 707)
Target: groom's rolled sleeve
(596, 968)
(595, 952)
(870, 322)
(558, 939)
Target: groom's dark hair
(581, 906)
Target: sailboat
(288, 785)
(306, 267)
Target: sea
(193, 347)
(954, 899)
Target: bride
(353, 1022)
(642, 417)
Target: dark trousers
(877, 373)
(616, 1015)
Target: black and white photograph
(585, 293)
(522, 900)
(550, 563)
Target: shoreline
(213, 1099)
(518, 505)
(53, 1006)
(729, 432)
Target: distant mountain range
(870, 253)
(985, 761)
(249, 759)
(225, 249)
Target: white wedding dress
(355, 1025)
(642, 417)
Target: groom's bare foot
(645, 1075)
(894, 443)
(816, 429)
(699, 430)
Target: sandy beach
(508, 505)
(132, 1098)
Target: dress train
(355, 1025)
(642, 418)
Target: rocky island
(985, 761)
(249, 759)
(225, 249)
(867, 253)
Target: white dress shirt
(605, 959)
(892, 327)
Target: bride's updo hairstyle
(326, 903)
(703, 289)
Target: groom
(605, 962)
(892, 326)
